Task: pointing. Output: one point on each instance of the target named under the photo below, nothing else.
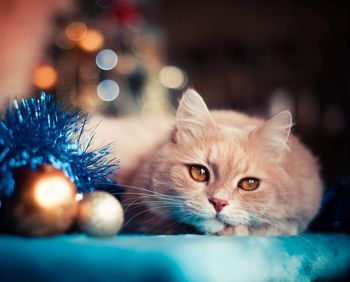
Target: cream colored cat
(218, 172)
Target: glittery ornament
(100, 214)
(38, 131)
(43, 202)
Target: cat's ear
(273, 134)
(192, 117)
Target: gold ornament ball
(100, 214)
(43, 202)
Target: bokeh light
(106, 59)
(53, 191)
(172, 77)
(44, 77)
(108, 90)
(92, 42)
(79, 197)
(87, 99)
(76, 31)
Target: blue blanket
(175, 258)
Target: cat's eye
(199, 173)
(249, 183)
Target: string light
(87, 99)
(53, 191)
(76, 31)
(108, 90)
(106, 59)
(45, 77)
(92, 42)
(78, 197)
(172, 77)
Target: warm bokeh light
(78, 197)
(45, 77)
(92, 42)
(173, 77)
(76, 31)
(108, 90)
(53, 191)
(106, 59)
(87, 99)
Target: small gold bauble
(100, 214)
(43, 202)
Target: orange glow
(76, 31)
(53, 191)
(45, 77)
(92, 42)
(87, 99)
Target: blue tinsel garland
(39, 131)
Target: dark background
(248, 55)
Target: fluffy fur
(162, 197)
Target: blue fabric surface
(174, 258)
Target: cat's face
(215, 176)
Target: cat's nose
(218, 204)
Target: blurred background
(117, 57)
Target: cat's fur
(161, 196)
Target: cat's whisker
(142, 189)
(141, 212)
(283, 227)
(150, 191)
(269, 219)
(152, 225)
(145, 196)
(176, 223)
(152, 203)
(158, 204)
(134, 216)
(181, 219)
(132, 204)
(311, 247)
(270, 222)
(263, 218)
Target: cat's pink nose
(218, 204)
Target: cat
(216, 172)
